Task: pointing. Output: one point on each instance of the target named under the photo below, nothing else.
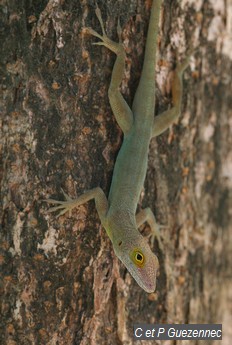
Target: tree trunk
(61, 281)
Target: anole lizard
(118, 212)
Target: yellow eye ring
(138, 257)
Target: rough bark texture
(61, 282)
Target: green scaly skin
(118, 212)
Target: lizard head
(140, 261)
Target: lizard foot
(63, 206)
(115, 47)
(146, 215)
(181, 66)
(155, 235)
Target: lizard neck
(121, 223)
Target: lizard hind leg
(120, 108)
(168, 117)
(105, 40)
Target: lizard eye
(137, 257)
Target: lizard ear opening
(119, 243)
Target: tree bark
(61, 282)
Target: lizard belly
(129, 171)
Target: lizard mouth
(143, 279)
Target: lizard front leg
(69, 204)
(120, 108)
(146, 215)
